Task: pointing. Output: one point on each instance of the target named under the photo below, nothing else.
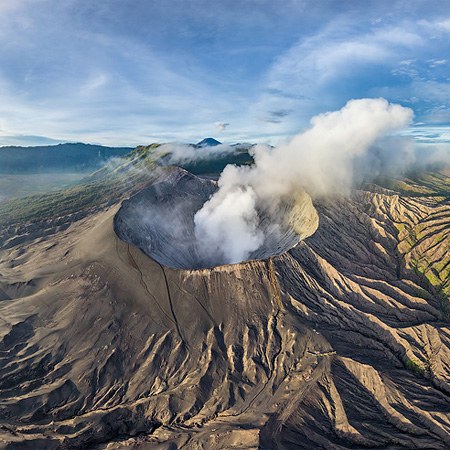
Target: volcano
(339, 339)
(208, 142)
(160, 221)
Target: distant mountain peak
(208, 142)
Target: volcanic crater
(160, 221)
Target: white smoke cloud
(319, 160)
(234, 220)
(221, 126)
(182, 153)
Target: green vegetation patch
(415, 367)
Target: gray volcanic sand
(335, 344)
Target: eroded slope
(338, 343)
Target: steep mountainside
(342, 342)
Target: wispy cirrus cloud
(125, 73)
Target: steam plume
(221, 126)
(319, 160)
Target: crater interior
(160, 221)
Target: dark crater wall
(160, 221)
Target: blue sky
(128, 72)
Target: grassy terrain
(424, 184)
(425, 244)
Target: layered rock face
(341, 342)
(160, 221)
